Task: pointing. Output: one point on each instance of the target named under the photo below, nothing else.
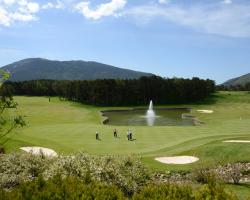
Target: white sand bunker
(179, 160)
(237, 141)
(205, 111)
(40, 150)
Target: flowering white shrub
(17, 167)
(126, 172)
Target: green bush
(165, 192)
(125, 172)
(81, 176)
(2, 151)
(210, 191)
(17, 168)
(213, 191)
(202, 175)
(59, 189)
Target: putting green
(70, 127)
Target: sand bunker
(179, 160)
(237, 141)
(40, 150)
(205, 111)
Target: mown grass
(70, 127)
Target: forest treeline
(116, 92)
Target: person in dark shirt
(115, 133)
(97, 137)
(128, 135)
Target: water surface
(164, 117)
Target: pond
(139, 117)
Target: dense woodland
(112, 92)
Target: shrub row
(26, 176)
(74, 188)
(233, 173)
(125, 172)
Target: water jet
(150, 114)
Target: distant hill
(242, 80)
(38, 68)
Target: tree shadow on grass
(212, 99)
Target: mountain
(242, 80)
(38, 68)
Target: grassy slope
(242, 191)
(70, 127)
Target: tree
(7, 125)
(118, 92)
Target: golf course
(124, 100)
(69, 127)
(65, 127)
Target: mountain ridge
(241, 80)
(40, 68)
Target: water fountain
(149, 117)
(150, 114)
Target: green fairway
(70, 127)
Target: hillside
(38, 68)
(242, 80)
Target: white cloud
(163, 1)
(4, 19)
(217, 19)
(102, 10)
(48, 5)
(22, 17)
(33, 7)
(9, 2)
(227, 1)
(12, 11)
(22, 2)
(57, 5)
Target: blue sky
(181, 38)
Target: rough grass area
(70, 127)
(242, 191)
